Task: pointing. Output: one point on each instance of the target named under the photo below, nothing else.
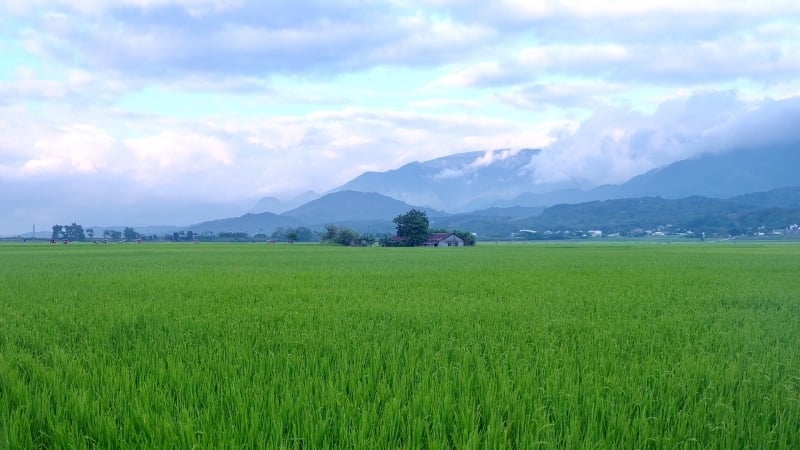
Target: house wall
(453, 241)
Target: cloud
(614, 145)
(164, 39)
(566, 94)
(488, 158)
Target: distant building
(443, 240)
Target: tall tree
(130, 234)
(74, 232)
(58, 232)
(413, 227)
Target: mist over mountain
(460, 182)
(277, 206)
(249, 223)
(719, 175)
(476, 180)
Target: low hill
(788, 197)
(250, 223)
(350, 206)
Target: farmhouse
(443, 240)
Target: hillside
(719, 175)
(250, 223)
(351, 206)
(465, 182)
(771, 210)
(459, 182)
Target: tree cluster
(72, 232)
(299, 234)
(345, 236)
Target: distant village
(792, 231)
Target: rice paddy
(308, 346)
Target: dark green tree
(74, 232)
(342, 236)
(112, 234)
(329, 236)
(412, 227)
(130, 234)
(58, 232)
(304, 234)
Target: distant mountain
(642, 212)
(251, 223)
(719, 175)
(459, 182)
(777, 208)
(353, 206)
(371, 212)
(277, 206)
(361, 211)
(501, 178)
(788, 197)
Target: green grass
(508, 346)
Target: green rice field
(245, 346)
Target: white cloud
(486, 159)
(614, 145)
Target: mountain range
(501, 178)
(493, 194)
(735, 189)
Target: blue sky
(162, 102)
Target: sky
(135, 112)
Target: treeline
(412, 230)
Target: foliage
(412, 227)
(342, 236)
(130, 234)
(112, 234)
(73, 232)
(529, 346)
(290, 234)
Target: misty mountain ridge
(459, 182)
(277, 206)
(503, 178)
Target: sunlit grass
(257, 346)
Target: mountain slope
(251, 223)
(720, 175)
(352, 206)
(500, 178)
(788, 197)
(455, 182)
(277, 206)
